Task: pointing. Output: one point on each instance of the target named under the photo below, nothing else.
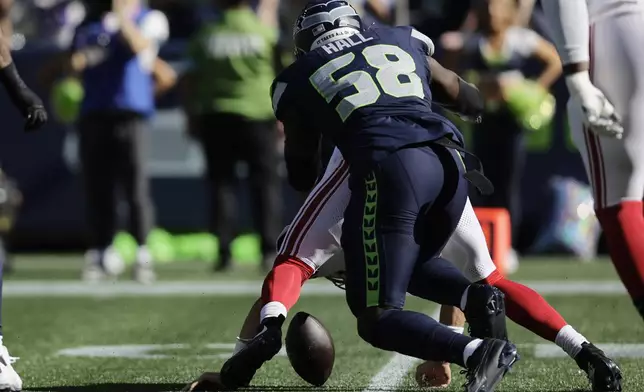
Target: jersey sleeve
(426, 43)
(280, 92)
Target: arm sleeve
(570, 24)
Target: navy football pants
(399, 217)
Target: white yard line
(391, 376)
(233, 288)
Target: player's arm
(29, 104)
(437, 374)
(301, 152)
(569, 22)
(301, 139)
(451, 91)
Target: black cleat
(485, 312)
(239, 370)
(603, 373)
(489, 363)
(639, 305)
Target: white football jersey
(599, 9)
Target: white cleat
(113, 263)
(92, 270)
(143, 271)
(9, 380)
(101, 265)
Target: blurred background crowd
(187, 165)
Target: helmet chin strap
(334, 35)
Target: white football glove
(599, 113)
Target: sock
(470, 348)
(438, 280)
(527, 308)
(414, 334)
(570, 340)
(464, 298)
(283, 283)
(623, 226)
(273, 309)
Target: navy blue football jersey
(369, 93)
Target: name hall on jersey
(349, 42)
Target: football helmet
(324, 21)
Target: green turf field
(120, 336)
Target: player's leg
(311, 239)
(484, 305)
(468, 249)
(96, 142)
(130, 166)
(381, 252)
(616, 167)
(9, 379)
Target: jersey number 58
(396, 76)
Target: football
(310, 349)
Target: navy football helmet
(324, 21)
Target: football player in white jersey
(600, 44)
(310, 247)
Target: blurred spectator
(434, 17)
(375, 11)
(5, 18)
(229, 101)
(494, 56)
(115, 52)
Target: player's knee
(368, 321)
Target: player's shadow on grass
(112, 387)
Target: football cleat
(639, 305)
(485, 312)
(239, 370)
(100, 265)
(488, 365)
(143, 271)
(9, 380)
(603, 373)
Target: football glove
(598, 113)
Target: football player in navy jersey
(370, 91)
(32, 109)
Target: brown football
(310, 350)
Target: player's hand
(36, 118)
(433, 374)
(32, 109)
(598, 113)
(209, 381)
